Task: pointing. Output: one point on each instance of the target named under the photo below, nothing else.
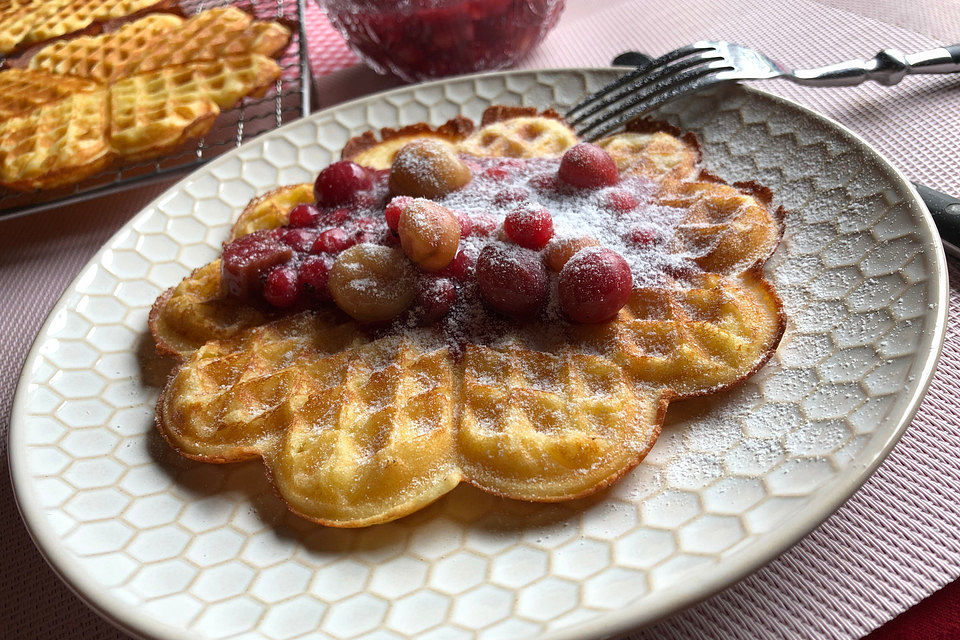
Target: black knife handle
(945, 211)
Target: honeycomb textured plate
(170, 548)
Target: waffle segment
(357, 429)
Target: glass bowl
(423, 39)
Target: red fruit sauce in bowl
(422, 39)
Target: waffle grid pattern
(247, 120)
(209, 550)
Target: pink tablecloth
(895, 542)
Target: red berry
(510, 195)
(394, 209)
(495, 173)
(332, 241)
(643, 236)
(435, 298)
(545, 183)
(298, 239)
(341, 183)
(513, 281)
(466, 224)
(313, 276)
(483, 225)
(594, 284)
(530, 227)
(366, 223)
(335, 218)
(620, 201)
(361, 236)
(246, 259)
(281, 288)
(461, 268)
(304, 215)
(588, 166)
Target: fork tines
(650, 85)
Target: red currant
(434, 299)
(529, 227)
(313, 276)
(594, 285)
(620, 201)
(394, 209)
(340, 183)
(281, 289)
(298, 239)
(588, 166)
(461, 268)
(483, 225)
(304, 215)
(332, 241)
(545, 183)
(247, 258)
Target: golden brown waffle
(167, 79)
(357, 430)
(519, 132)
(55, 144)
(159, 41)
(22, 91)
(24, 23)
(376, 152)
(108, 57)
(155, 113)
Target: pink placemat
(896, 541)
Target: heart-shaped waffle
(358, 427)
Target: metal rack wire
(289, 100)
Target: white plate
(168, 548)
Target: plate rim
(632, 617)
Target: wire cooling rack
(287, 101)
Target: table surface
(892, 544)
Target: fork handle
(888, 67)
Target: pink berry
(545, 183)
(341, 183)
(298, 239)
(588, 166)
(394, 209)
(335, 218)
(332, 241)
(435, 298)
(466, 224)
(246, 259)
(643, 236)
(483, 225)
(510, 195)
(281, 289)
(304, 215)
(461, 268)
(495, 173)
(529, 227)
(513, 281)
(313, 276)
(594, 285)
(620, 201)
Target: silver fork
(708, 63)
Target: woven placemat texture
(895, 542)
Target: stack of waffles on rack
(79, 105)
